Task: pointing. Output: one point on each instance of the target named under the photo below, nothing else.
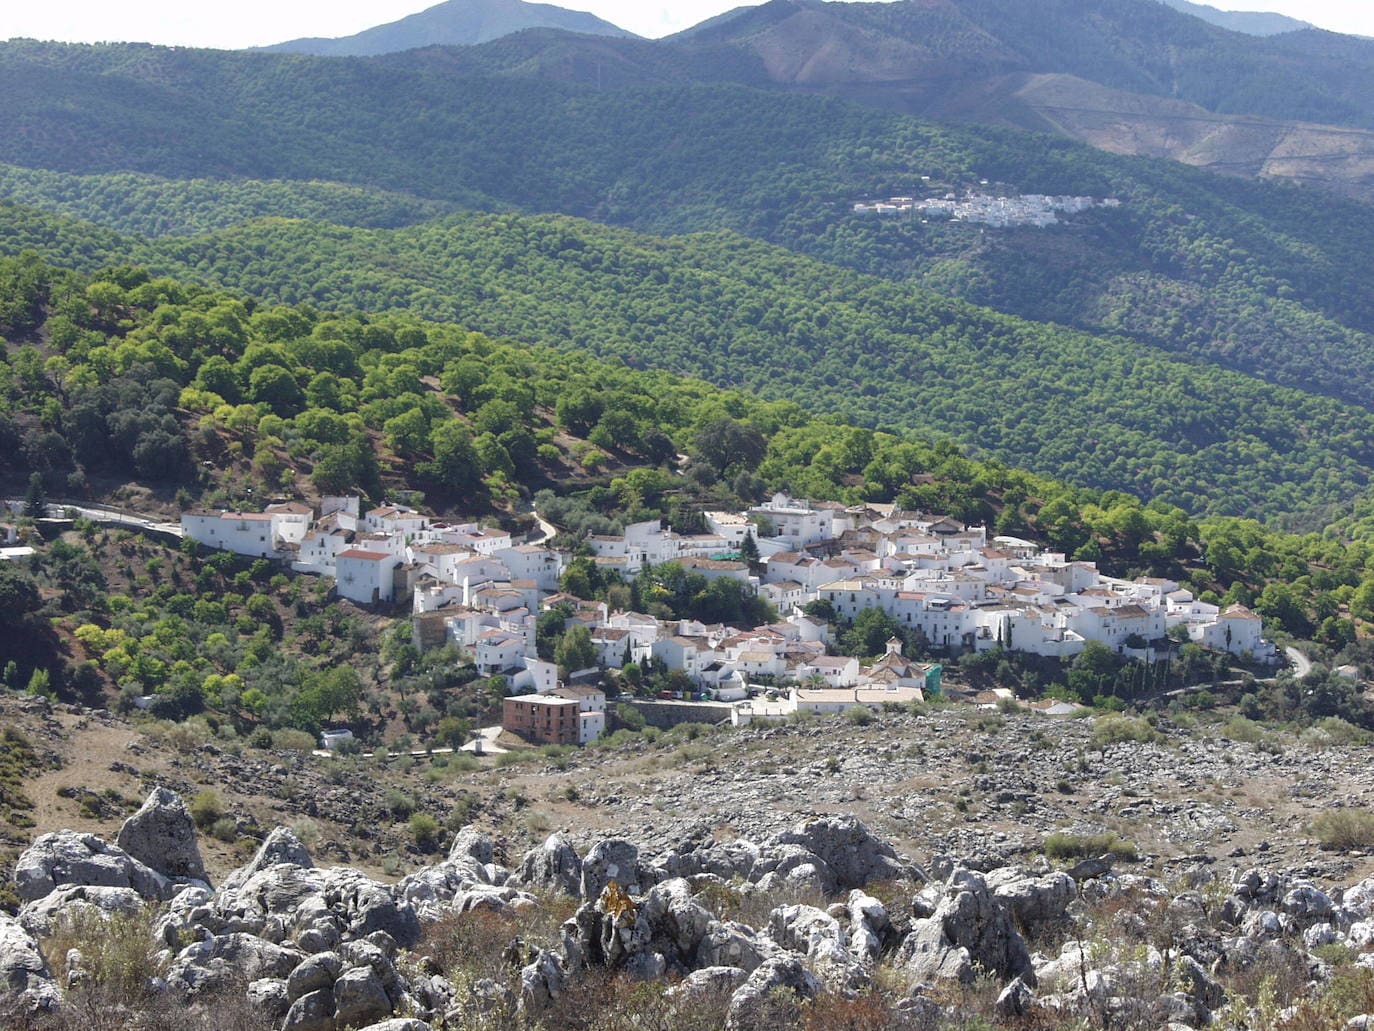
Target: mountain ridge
(452, 23)
(1252, 23)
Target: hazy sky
(257, 22)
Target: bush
(293, 741)
(1344, 830)
(1089, 846)
(1115, 729)
(629, 717)
(424, 829)
(118, 953)
(206, 807)
(860, 715)
(400, 804)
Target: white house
(538, 677)
(799, 522)
(255, 534)
(531, 562)
(366, 577)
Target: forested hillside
(133, 379)
(150, 205)
(1267, 279)
(1096, 411)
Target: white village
(944, 584)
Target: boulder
(218, 961)
(360, 998)
(1308, 905)
(611, 859)
(869, 922)
(281, 847)
(42, 917)
(734, 945)
(23, 970)
(709, 981)
(749, 1006)
(472, 845)
(851, 851)
(677, 923)
(318, 971)
(792, 869)
(398, 1024)
(313, 1012)
(64, 858)
(366, 906)
(821, 939)
(541, 983)
(162, 835)
(806, 930)
(553, 866)
(268, 996)
(969, 926)
(1017, 1000)
(1034, 902)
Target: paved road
(59, 510)
(1301, 664)
(546, 528)
(489, 747)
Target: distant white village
(942, 582)
(1033, 209)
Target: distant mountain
(1252, 23)
(454, 23)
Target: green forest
(1256, 276)
(1101, 412)
(202, 394)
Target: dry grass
(1344, 830)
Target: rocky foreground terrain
(929, 871)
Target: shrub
(226, 829)
(424, 829)
(860, 715)
(293, 741)
(400, 804)
(1063, 845)
(206, 807)
(118, 953)
(1344, 830)
(1116, 729)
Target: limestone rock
(1034, 902)
(23, 970)
(360, 998)
(748, 1006)
(280, 847)
(162, 835)
(313, 1012)
(611, 859)
(318, 971)
(853, 853)
(40, 918)
(65, 858)
(553, 866)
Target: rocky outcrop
(23, 970)
(553, 866)
(969, 930)
(162, 836)
(322, 949)
(850, 852)
(612, 859)
(68, 859)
